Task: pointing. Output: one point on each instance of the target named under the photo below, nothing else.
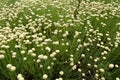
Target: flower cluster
(20, 77)
(12, 68)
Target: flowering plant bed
(60, 40)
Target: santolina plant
(60, 40)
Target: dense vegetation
(59, 40)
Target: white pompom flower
(111, 66)
(45, 76)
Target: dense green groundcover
(59, 40)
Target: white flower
(45, 57)
(20, 77)
(102, 78)
(88, 64)
(71, 59)
(78, 40)
(48, 67)
(41, 66)
(83, 74)
(33, 54)
(102, 70)
(66, 50)
(116, 66)
(79, 70)
(104, 57)
(111, 66)
(14, 53)
(95, 66)
(22, 52)
(57, 51)
(72, 63)
(45, 76)
(53, 54)
(2, 56)
(74, 67)
(61, 72)
(40, 56)
(96, 75)
(38, 60)
(48, 49)
(117, 78)
(59, 78)
(9, 65)
(13, 68)
(25, 58)
(82, 55)
(56, 42)
(30, 51)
